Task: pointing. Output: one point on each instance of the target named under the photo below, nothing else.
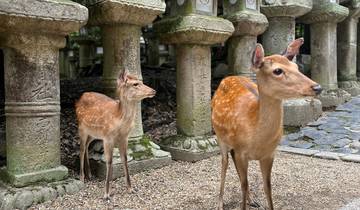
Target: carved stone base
(21, 180)
(24, 197)
(352, 87)
(190, 148)
(331, 98)
(299, 112)
(143, 155)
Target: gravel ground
(299, 182)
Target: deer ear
(122, 78)
(257, 57)
(293, 49)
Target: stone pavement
(337, 132)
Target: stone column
(323, 19)
(86, 51)
(2, 104)
(248, 23)
(121, 23)
(192, 27)
(280, 33)
(346, 47)
(31, 35)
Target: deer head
(279, 77)
(130, 88)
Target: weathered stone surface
(31, 40)
(190, 148)
(58, 17)
(143, 154)
(299, 112)
(325, 11)
(193, 29)
(289, 8)
(135, 12)
(193, 96)
(347, 48)
(300, 151)
(280, 33)
(328, 155)
(335, 97)
(248, 23)
(24, 200)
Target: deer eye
(278, 72)
(135, 84)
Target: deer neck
(127, 110)
(270, 118)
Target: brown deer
(101, 117)
(247, 118)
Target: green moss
(144, 154)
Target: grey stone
(341, 143)
(24, 200)
(202, 145)
(353, 205)
(355, 145)
(322, 147)
(33, 31)
(306, 152)
(299, 112)
(71, 188)
(37, 196)
(160, 153)
(8, 202)
(187, 144)
(315, 134)
(301, 144)
(351, 158)
(60, 190)
(155, 146)
(328, 155)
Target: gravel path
(299, 182)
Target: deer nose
(317, 89)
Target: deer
(101, 117)
(248, 118)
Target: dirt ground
(299, 182)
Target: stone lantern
(31, 34)
(121, 22)
(192, 27)
(323, 19)
(248, 23)
(347, 32)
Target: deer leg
(123, 154)
(108, 152)
(266, 166)
(83, 138)
(241, 165)
(224, 167)
(87, 163)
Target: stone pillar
(323, 19)
(346, 47)
(280, 33)
(192, 27)
(31, 35)
(86, 51)
(121, 23)
(248, 23)
(2, 104)
(152, 50)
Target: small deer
(101, 117)
(247, 118)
